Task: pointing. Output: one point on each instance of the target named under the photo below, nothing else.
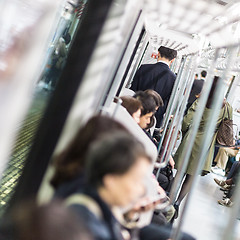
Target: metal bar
(206, 141)
(120, 64)
(178, 99)
(178, 116)
(197, 118)
(54, 119)
(171, 102)
(141, 36)
(138, 61)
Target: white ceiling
(188, 25)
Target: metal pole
(138, 60)
(196, 120)
(206, 141)
(186, 85)
(177, 119)
(172, 101)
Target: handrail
(178, 116)
(197, 118)
(207, 138)
(171, 102)
(179, 100)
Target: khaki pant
(222, 156)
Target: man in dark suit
(158, 77)
(196, 89)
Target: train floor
(205, 219)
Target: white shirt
(163, 62)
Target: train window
(65, 20)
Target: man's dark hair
(204, 73)
(147, 101)
(167, 53)
(113, 154)
(156, 96)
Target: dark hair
(113, 154)
(167, 53)
(156, 96)
(52, 221)
(131, 104)
(212, 92)
(204, 73)
(147, 101)
(152, 122)
(71, 162)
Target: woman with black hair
(186, 127)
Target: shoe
(218, 171)
(226, 202)
(222, 184)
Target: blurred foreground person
(117, 166)
(53, 221)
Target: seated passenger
(159, 103)
(148, 110)
(70, 164)
(53, 221)
(228, 185)
(133, 106)
(116, 168)
(222, 158)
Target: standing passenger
(158, 77)
(194, 157)
(196, 89)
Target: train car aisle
(205, 218)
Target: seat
(120, 114)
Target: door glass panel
(66, 20)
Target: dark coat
(196, 89)
(72, 186)
(104, 227)
(158, 77)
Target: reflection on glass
(55, 59)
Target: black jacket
(158, 77)
(105, 227)
(196, 89)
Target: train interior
(108, 41)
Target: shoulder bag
(225, 136)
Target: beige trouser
(222, 156)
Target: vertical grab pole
(197, 118)
(206, 141)
(186, 85)
(172, 101)
(180, 111)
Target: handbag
(225, 131)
